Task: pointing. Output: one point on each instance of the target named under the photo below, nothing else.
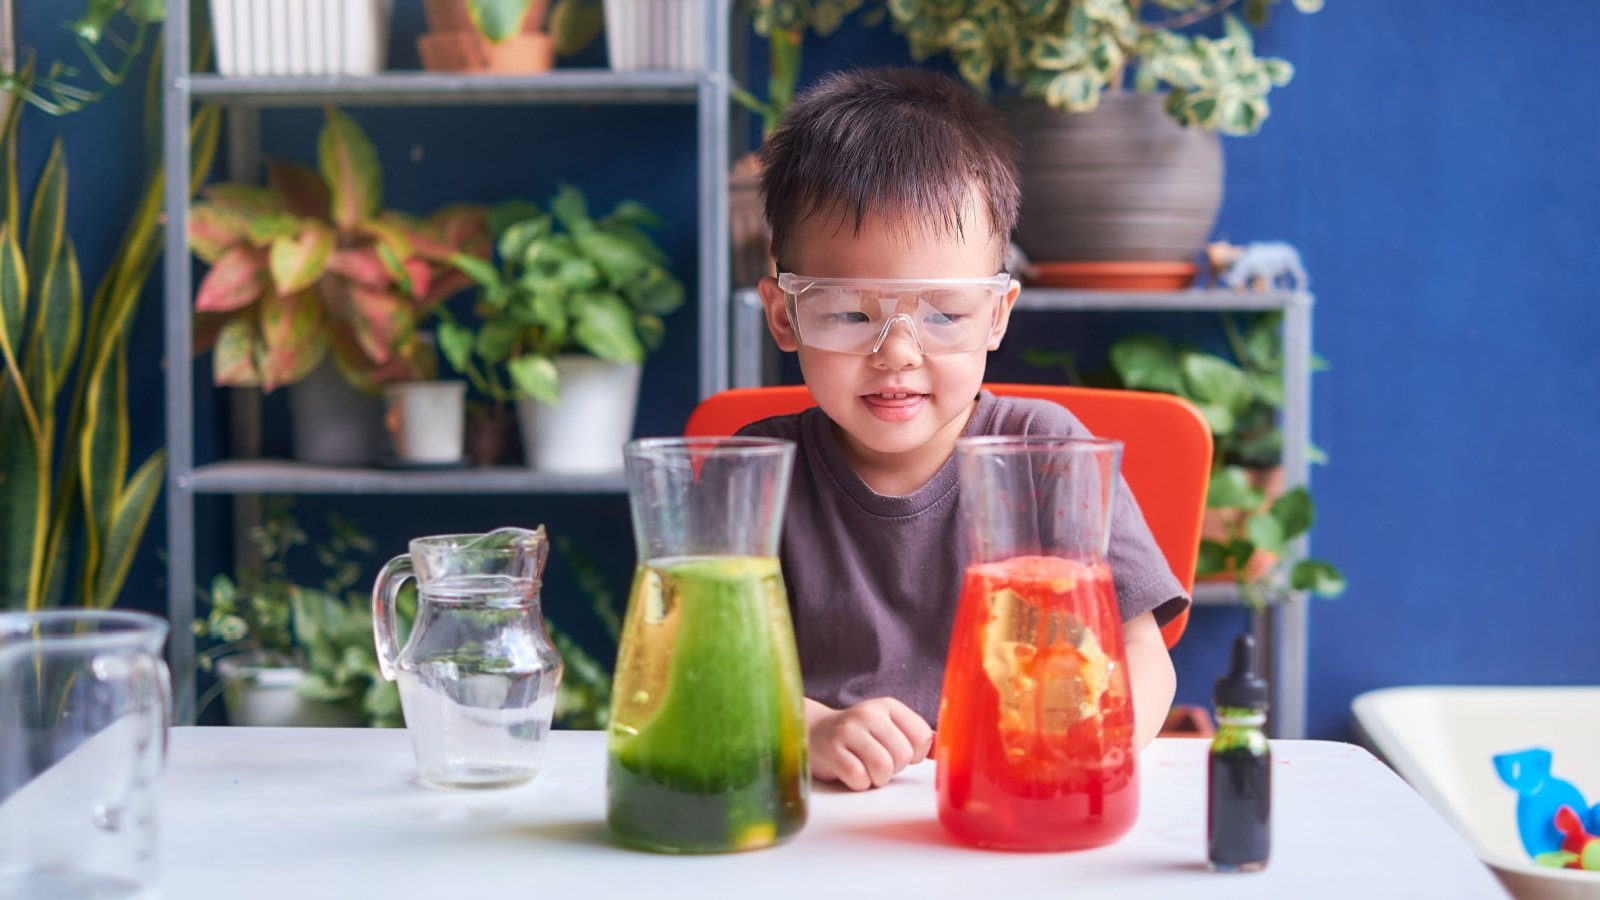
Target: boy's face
(895, 400)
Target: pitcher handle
(384, 590)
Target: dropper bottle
(1239, 784)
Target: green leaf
(1213, 558)
(652, 331)
(571, 210)
(479, 271)
(510, 213)
(24, 506)
(497, 339)
(298, 261)
(1318, 577)
(632, 212)
(578, 275)
(233, 359)
(214, 231)
(103, 457)
(498, 20)
(517, 238)
(349, 166)
(1295, 512)
(47, 222)
(1265, 531)
(455, 342)
(13, 298)
(62, 297)
(604, 327)
(1147, 362)
(1230, 489)
(535, 376)
(1213, 380)
(659, 293)
(129, 518)
(294, 339)
(616, 257)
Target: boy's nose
(899, 347)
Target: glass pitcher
(84, 706)
(707, 748)
(1035, 739)
(478, 673)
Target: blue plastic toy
(1541, 796)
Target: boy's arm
(1150, 676)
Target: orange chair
(1166, 452)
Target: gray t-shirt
(873, 580)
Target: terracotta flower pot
(467, 51)
(490, 438)
(454, 44)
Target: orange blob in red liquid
(1035, 745)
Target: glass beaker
(707, 749)
(1035, 738)
(84, 706)
(478, 673)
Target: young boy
(904, 174)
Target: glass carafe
(84, 705)
(1035, 739)
(478, 673)
(707, 748)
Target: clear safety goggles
(855, 315)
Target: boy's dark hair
(909, 144)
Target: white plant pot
(655, 34)
(426, 420)
(269, 696)
(585, 433)
(301, 37)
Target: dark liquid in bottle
(1237, 825)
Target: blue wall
(1437, 164)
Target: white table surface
(312, 813)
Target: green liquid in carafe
(707, 742)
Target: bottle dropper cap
(1242, 688)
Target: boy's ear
(1006, 303)
(774, 302)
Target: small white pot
(301, 37)
(655, 34)
(426, 420)
(585, 433)
(269, 696)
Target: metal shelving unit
(1282, 628)
(707, 90)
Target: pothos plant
(1241, 399)
(310, 265)
(566, 283)
(1068, 52)
(264, 615)
(573, 23)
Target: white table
(313, 813)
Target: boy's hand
(865, 745)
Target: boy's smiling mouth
(894, 406)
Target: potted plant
(566, 322)
(289, 654)
(1128, 186)
(425, 418)
(308, 268)
(501, 36)
(321, 37)
(784, 24)
(1250, 518)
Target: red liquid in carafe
(1035, 745)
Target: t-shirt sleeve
(1144, 581)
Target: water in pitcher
(476, 688)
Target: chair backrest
(1166, 452)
